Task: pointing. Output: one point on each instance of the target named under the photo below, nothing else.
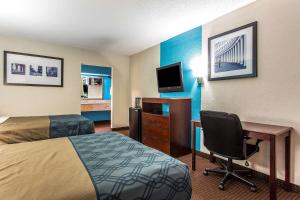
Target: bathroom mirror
(92, 87)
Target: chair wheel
(221, 187)
(205, 173)
(253, 188)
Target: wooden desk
(263, 132)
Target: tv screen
(169, 78)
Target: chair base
(228, 171)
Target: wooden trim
(91, 107)
(124, 128)
(272, 177)
(287, 159)
(162, 100)
(292, 187)
(155, 100)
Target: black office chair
(223, 135)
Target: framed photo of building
(233, 54)
(32, 70)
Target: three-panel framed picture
(233, 54)
(32, 70)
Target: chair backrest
(223, 134)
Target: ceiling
(121, 26)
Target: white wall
(274, 96)
(32, 101)
(143, 73)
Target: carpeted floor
(102, 126)
(206, 187)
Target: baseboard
(291, 187)
(120, 128)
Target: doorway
(96, 96)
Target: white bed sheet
(3, 119)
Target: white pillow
(3, 119)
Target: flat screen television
(169, 78)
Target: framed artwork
(32, 70)
(233, 54)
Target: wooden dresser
(169, 132)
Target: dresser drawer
(156, 127)
(153, 119)
(156, 131)
(157, 144)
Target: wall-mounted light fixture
(197, 67)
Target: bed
(20, 129)
(97, 166)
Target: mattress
(23, 129)
(90, 167)
(3, 119)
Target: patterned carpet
(206, 187)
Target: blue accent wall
(183, 48)
(106, 87)
(105, 73)
(95, 69)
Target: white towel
(3, 119)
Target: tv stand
(169, 132)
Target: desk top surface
(260, 128)
(265, 128)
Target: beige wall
(120, 83)
(274, 96)
(27, 100)
(143, 73)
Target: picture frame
(233, 54)
(26, 69)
